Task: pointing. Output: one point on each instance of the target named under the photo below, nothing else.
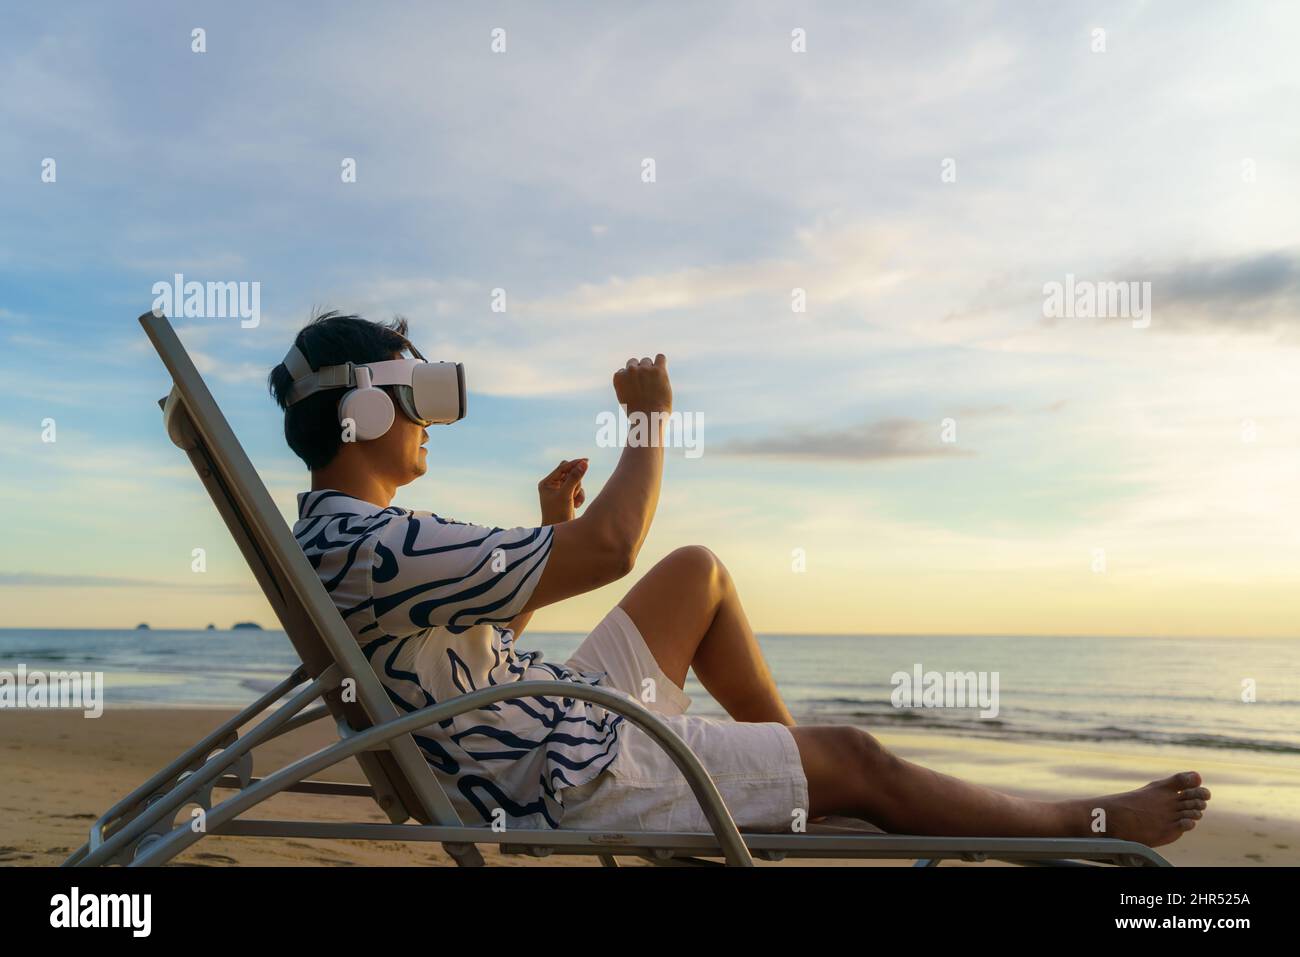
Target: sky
(923, 449)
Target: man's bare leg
(690, 616)
(849, 772)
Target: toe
(1192, 805)
(1188, 779)
(1185, 824)
(1196, 794)
(1191, 814)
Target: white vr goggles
(428, 393)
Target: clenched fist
(642, 385)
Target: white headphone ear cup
(371, 409)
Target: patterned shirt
(426, 598)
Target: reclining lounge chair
(336, 681)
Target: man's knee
(858, 749)
(847, 768)
(699, 564)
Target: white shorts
(755, 766)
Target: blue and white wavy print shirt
(426, 598)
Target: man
(439, 605)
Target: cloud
(831, 263)
(41, 580)
(1250, 292)
(568, 341)
(879, 441)
(1253, 293)
(44, 580)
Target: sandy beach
(62, 770)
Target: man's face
(400, 452)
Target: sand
(61, 770)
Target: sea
(1223, 694)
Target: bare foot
(1157, 814)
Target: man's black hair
(311, 427)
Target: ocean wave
(34, 656)
(1001, 728)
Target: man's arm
(601, 545)
(561, 494)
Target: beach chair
(335, 681)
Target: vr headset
(428, 393)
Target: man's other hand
(561, 492)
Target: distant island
(252, 625)
(211, 627)
(143, 626)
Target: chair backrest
(404, 784)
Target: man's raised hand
(642, 385)
(601, 545)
